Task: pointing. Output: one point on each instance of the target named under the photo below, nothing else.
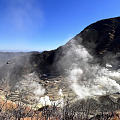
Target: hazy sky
(47, 24)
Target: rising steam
(86, 77)
(30, 83)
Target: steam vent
(85, 68)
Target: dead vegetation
(85, 110)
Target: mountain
(101, 40)
(104, 34)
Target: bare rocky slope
(100, 39)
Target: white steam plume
(88, 79)
(30, 83)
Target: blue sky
(37, 25)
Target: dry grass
(12, 111)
